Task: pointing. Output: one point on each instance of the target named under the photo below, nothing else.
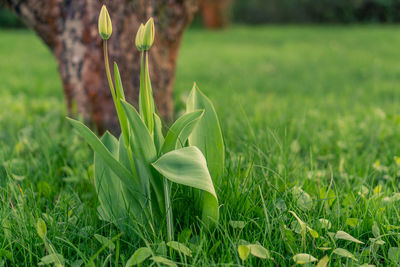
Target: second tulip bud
(145, 35)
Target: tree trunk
(215, 13)
(69, 28)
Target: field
(311, 121)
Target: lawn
(311, 121)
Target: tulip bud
(148, 34)
(139, 37)
(105, 27)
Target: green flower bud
(148, 34)
(105, 27)
(139, 37)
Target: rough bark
(215, 13)
(69, 28)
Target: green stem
(146, 103)
(110, 82)
(168, 210)
(118, 107)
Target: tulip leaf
(145, 152)
(187, 166)
(207, 136)
(180, 130)
(105, 154)
(142, 142)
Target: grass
(311, 120)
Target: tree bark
(69, 28)
(215, 13)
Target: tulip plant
(133, 174)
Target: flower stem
(118, 107)
(168, 210)
(107, 65)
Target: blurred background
(307, 92)
(219, 13)
(300, 11)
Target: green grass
(315, 108)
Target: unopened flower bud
(139, 37)
(105, 27)
(148, 34)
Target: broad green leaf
(187, 166)
(105, 154)
(180, 248)
(164, 261)
(207, 136)
(323, 262)
(116, 200)
(139, 256)
(143, 144)
(259, 251)
(41, 228)
(345, 236)
(303, 258)
(127, 178)
(107, 184)
(244, 252)
(104, 241)
(344, 253)
(54, 258)
(145, 153)
(180, 130)
(123, 156)
(394, 255)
